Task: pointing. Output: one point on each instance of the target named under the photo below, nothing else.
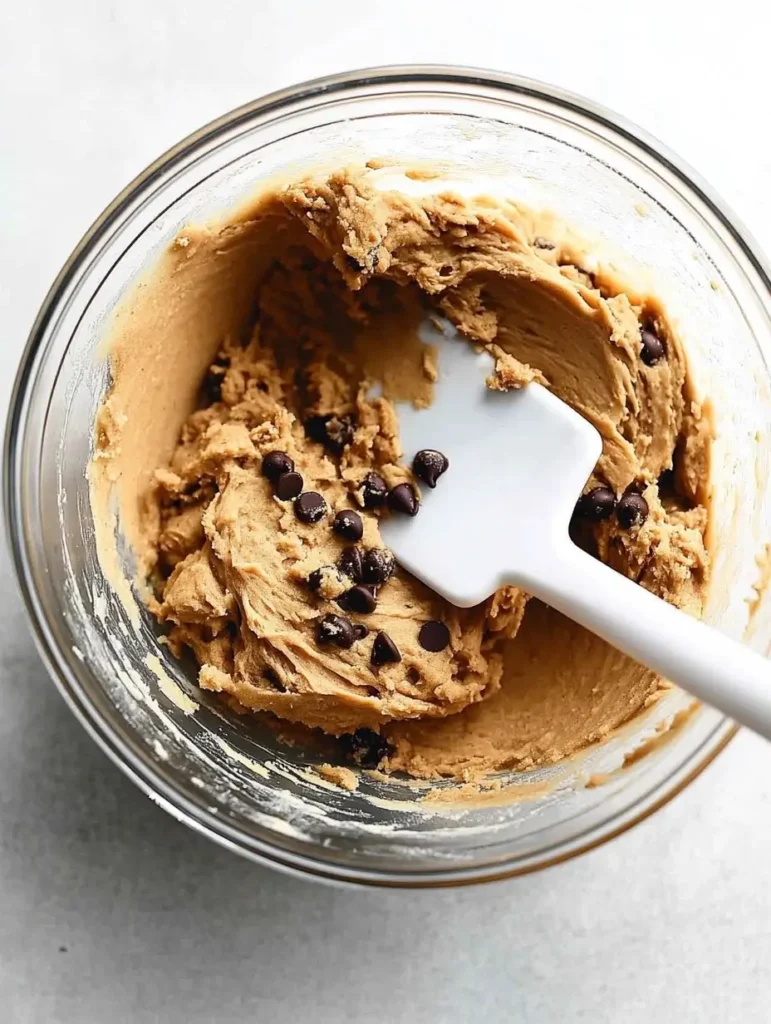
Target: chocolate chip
(598, 504)
(374, 491)
(632, 510)
(428, 465)
(404, 499)
(339, 433)
(359, 599)
(379, 566)
(365, 747)
(543, 243)
(310, 507)
(652, 346)
(351, 562)
(348, 524)
(316, 578)
(288, 486)
(360, 630)
(333, 431)
(335, 629)
(384, 650)
(373, 257)
(636, 487)
(434, 636)
(276, 463)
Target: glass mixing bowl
(230, 777)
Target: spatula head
(518, 461)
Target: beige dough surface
(292, 308)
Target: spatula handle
(708, 664)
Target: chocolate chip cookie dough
(252, 467)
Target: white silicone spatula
(518, 461)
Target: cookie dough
(290, 311)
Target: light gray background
(112, 912)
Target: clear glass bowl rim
(142, 772)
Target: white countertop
(111, 911)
